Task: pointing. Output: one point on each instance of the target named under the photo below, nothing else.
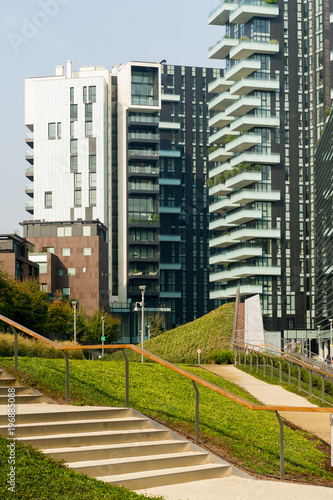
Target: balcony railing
(144, 119)
(142, 135)
(143, 152)
(132, 169)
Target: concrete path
(268, 394)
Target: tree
(156, 326)
(60, 320)
(93, 332)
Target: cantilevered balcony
(245, 272)
(230, 291)
(222, 48)
(220, 15)
(29, 139)
(243, 105)
(253, 8)
(246, 49)
(254, 158)
(29, 156)
(220, 154)
(219, 85)
(29, 190)
(219, 169)
(239, 217)
(242, 143)
(220, 120)
(29, 173)
(237, 182)
(143, 153)
(220, 136)
(243, 197)
(29, 206)
(219, 190)
(247, 85)
(234, 255)
(222, 101)
(251, 121)
(242, 69)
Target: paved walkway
(315, 423)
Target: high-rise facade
(127, 150)
(268, 112)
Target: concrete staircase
(23, 395)
(116, 445)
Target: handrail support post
(126, 379)
(15, 348)
(281, 446)
(67, 376)
(196, 413)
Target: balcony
(143, 153)
(169, 125)
(230, 291)
(245, 272)
(170, 97)
(29, 190)
(143, 187)
(141, 119)
(167, 181)
(220, 120)
(243, 234)
(144, 170)
(243, 216)
(250, 121)
(222, 101)
(222, 48)
(223, 206)
(242, 143)
(219, 169)
(220, 15)
(253, 8)
(143, 136)
(246, 196)
(244, 179)
(169, 210)
(29, 206)
(243, 105)
(220, 154)
(220, 136)
(219, 190)
(29, 139)
(242, 69)
(219, 85)
(29, 156)
(29, 173)
(170, 153)
(235, 255)
(175, 238)
(246, 49)
(253, 158)
(247, 85)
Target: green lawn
(248, 438)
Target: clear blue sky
(38, 35)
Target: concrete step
(8, 381)
(78, 427)
(18, 390)
(121, 450)
(24, 399)
(136, 464)
(94, 438)
(178, 475)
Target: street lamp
(103, 338)
(331, 344)
(74, 302)
(142, 304)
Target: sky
(38, 35)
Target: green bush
(34, 348)
(221, 357)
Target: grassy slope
(209, 333)
(249, 438)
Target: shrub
(221, 357)
(28, 347)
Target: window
(72, 132)
(48, 249)
(86, 231)
(73, 113)
(59, 130)
(92, 179)
(42, 268)
(64, 231)
(71, 94)
(92, 197)
(77, 180)
(77, 198)
(92, 94)
(66, 252)
(73, 163)
(52, 130)
(87, 251)
(61, 271)
(88, 110)
(84, 270)
(66, 291)
(92, 162)
(71, 271)
(89, 129)
(48, 199)
(74, 146)
(84, 94)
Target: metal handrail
(167, 364)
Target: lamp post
(142, 304)
(103, 318)
(331, 344)
(74, 302)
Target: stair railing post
(281, 446)
(310, 383)
(245, 358)
(67, 376)
(299, 378)
(264, 365)
(289, 373)
(323, 389)
(251, 361)
(257, 356)
(272, 368)
(196, 413)
(126, 379)
(15, 348)
(280, 371)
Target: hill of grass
(209, 333)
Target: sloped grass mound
(209, 333)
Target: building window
(89, 129)
(92, 94)
(84, 94)
(48, 249)
(64, 231)
(66, 252)
(73, 113)
(52, 130)
(84, 270)
(86, 231)
(77, 198)
(92, 162)
(77, 180)
(73, 163)
(74, 146)
(88, 110)
(61, 271)
(48, 199)
(66, 291)
(71, 271)
(71, 94)
(43, 287)
(42, 268)
(92, 179)
(72, 131)
(59, 130)
(92, 197)
(87, 251)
